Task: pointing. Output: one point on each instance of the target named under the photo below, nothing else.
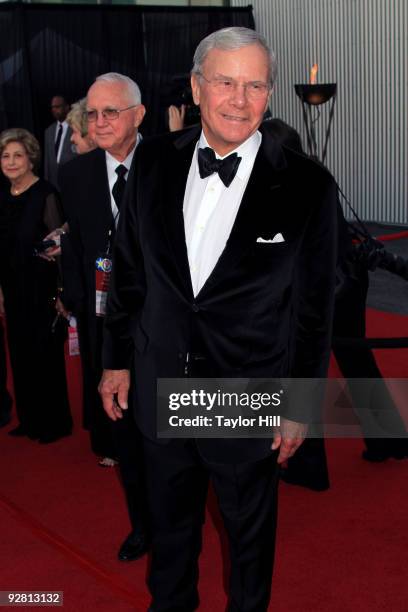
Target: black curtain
(59, 49)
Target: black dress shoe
(134, 547)
(303, 479)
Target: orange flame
(313, 74)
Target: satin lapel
(263, 185)
(172, 198)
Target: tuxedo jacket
(266, 308)
(51, 168)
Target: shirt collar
(113, 163)
(246, 150)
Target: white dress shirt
(111, 165)
(63, 135)
(210, 209)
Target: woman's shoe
(107, 462)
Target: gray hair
(77, 118)
(132, 88)
(229, 39)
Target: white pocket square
(276, 238)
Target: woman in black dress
(29, 210)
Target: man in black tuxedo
(58, 149)
(92, 188)
(224, 266)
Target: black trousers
(116, 439)
(177, 478)
(95, 420)
(128, 442)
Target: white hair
(229, 39)
(131, 86)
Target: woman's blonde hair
(76, 117)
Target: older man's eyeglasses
(224, 85)
(110, 114)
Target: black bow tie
(226, 168)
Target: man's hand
(288, 437)
(114, 389)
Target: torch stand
(315, 95)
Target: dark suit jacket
(86, 201)
(51, 168)
(265, 310)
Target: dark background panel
(171, 38)
(46, 50)
(15, 85)
(65, 53)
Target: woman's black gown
(29, 285)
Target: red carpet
(345, 550)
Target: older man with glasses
(93, 188)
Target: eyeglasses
(110, 114)
(223, 85)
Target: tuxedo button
(196, 308)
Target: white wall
(363, 46)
